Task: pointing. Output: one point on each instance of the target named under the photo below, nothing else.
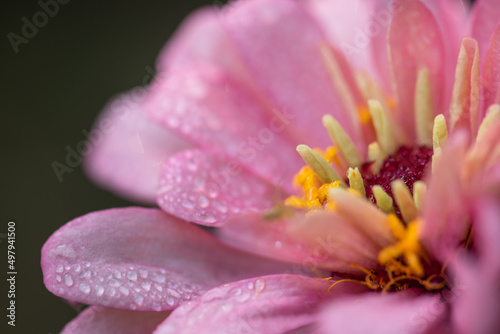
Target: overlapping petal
(216, 112)
(140, 259)
(484, 17)
(208, 188)
(101, 320)
(267, 305)
(127, 149)
(415, 42)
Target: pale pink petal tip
(263, 305)
(126, 149)
(208, 189)
(140, 259)
(100, 320)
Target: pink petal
(267, 305)
(140, 259)
(280, 44)
(208, 189)
(217, 113)
(415, 41)
(201, 39)
(484, 18)
(445, 216)
(100, 320)
(491, 71)
(476, 299)
(346, 23)
(127, 149)
(451, 16)
(384, 314)
(323, 240)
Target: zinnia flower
(388, 225)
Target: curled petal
(101, 320)
(140, 259)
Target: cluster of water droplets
(132, 287)
(195, 188)
(223, 303)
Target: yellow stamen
(318, 164)
(384, 201)
(404, 200)
(356, 181)
(423, 107)
(382, 126)
(408, 246)
(343, 141)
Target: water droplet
(77, 268)
(133, 307)
(174, 293)
(187, 204)
(260, 285)
(277, 244)
(85, 274)
(132, 275)
(250, 285)
(124, 290)
(58, 278)
(67, 267)
(118, 274)
(68, 280)
(158, 277)
(203, 202)
(146, 285)
(99, 290)
(221, 207)
(143, 273)
(86, 264)
(170, 301)
(207, 218)
(138, 299)
(156, 306)
(111, 292)
(158, 287)
(114, 283)
(85, 288)
(212, 190)
(59, 268)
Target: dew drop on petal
(114, 283)
(85, 288)
(77, 268)
(59, 268)
(143, 273)
(124, 290)
(68, 280)
(132, 275)
(58, 278)
(138, 299)
(260, 285)
(158, 277)
(99, 290)
(146, 285)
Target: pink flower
(402, 211)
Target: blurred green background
(52, 89)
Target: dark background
(52, 89)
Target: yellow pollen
(364, 114)
(408, 246)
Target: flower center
(407, 164)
